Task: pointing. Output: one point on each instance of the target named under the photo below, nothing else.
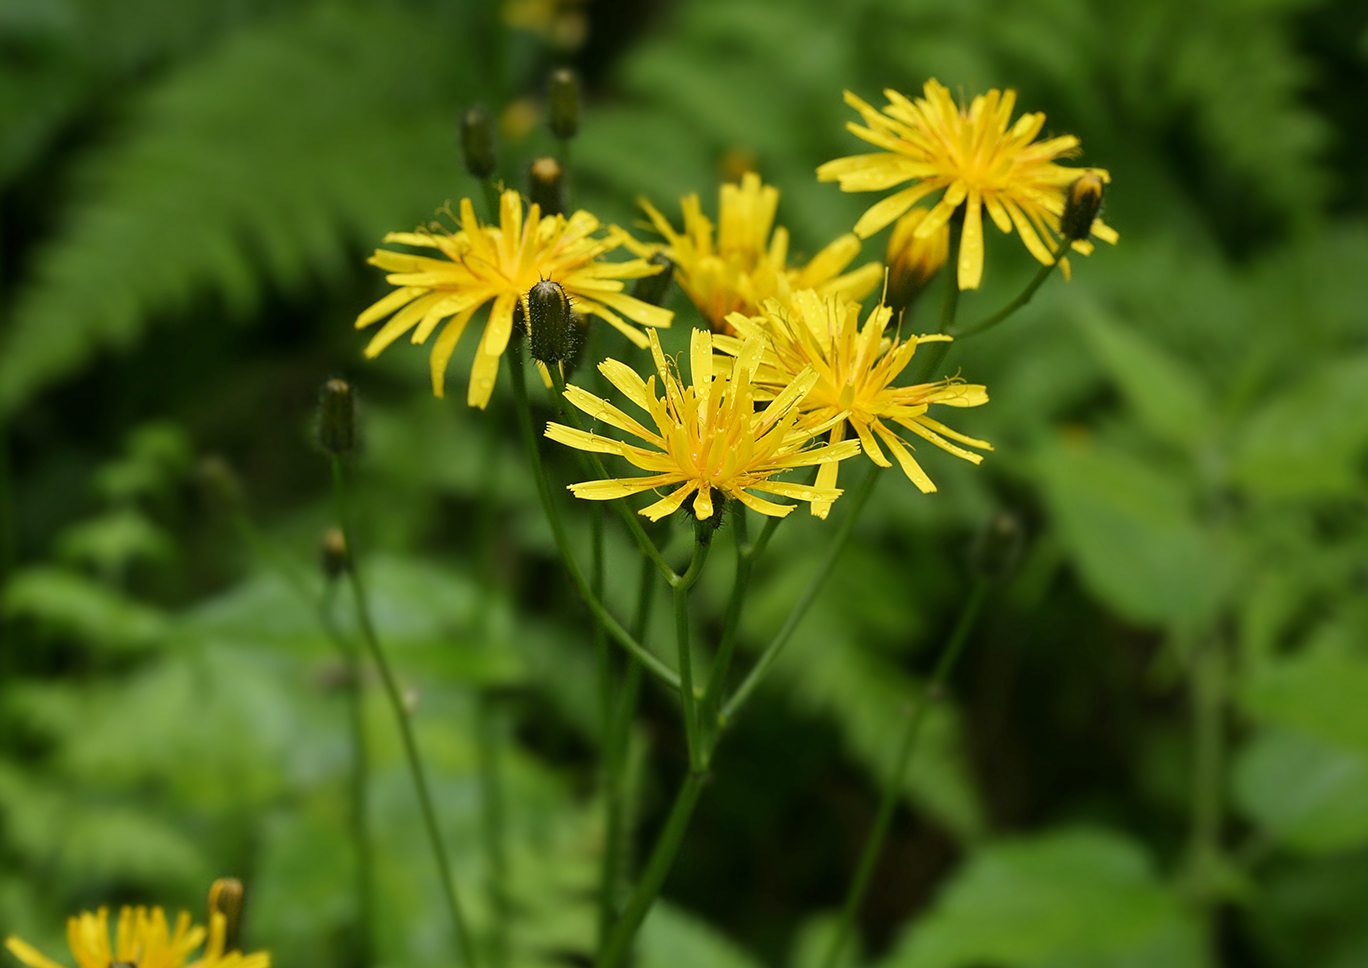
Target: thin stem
(488, 739)
(614, 628)
(893, 788)
(396, 700)
(726, 646)
(491, 197)
(614, 761)
(929, 361)
(358, 780)
(702, 542)
(1022, 299)
(771, 653)
(629, 520)
(653, 878)
(358, 783)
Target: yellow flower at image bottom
(709, 442)
(142, 939)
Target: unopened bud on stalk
(546, 185)
(913, 262)
(1081, 206)
(337, 418)
(477, 143)
(225, 898)
(997, 549)
(563, 103)
(652, 289)
(332, 554)
(549, 324)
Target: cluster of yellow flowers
(784, 336)
(144, 938)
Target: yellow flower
(748, 263)
(142, 939)
(976, 158)
(709, 435)
(854, 367)
(481, 263)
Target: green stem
(614, 628)
(771, 653)
(702, 543)
(491, 197)
(893, 788)
(629, 520)
(746, 554)
(396, 700)
(929, 361)
(488, 739)
(614, 761)
(358, 785)
(1022, 299)
(653, 878)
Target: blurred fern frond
(257, 166)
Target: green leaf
(1309, 795)
(1165, 393)
(113, 541)
(1308, 440)
(1066, 897)
(81, 607)
(1133, 534)
(1320, 693)
(672, 938)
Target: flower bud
(912, 262)
(652, 289)
(997, 549)
(563, 103)
(548, 322)
(477, 143)
(332, 554)
(225, 898)
(1081, 206)
(546, 185)
(337, 418)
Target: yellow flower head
(976, 158)
(479, 263)
(747, 263)
(708, 435)
(854, 367)
(143, 939)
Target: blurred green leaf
(1133, 533)
(1065, 897)
(672, 938)
(1165, 394)
(111, 542)
(1321, 693)
(1306, 794)
(75, 605)
(1309, 440)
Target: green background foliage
(188, 193)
